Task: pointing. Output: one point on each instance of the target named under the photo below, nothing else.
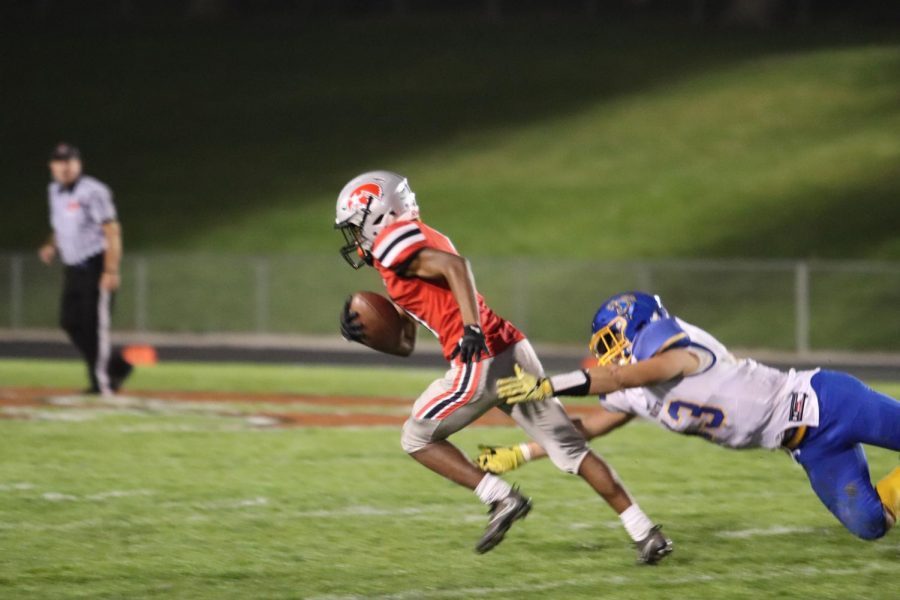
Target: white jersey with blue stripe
(732, 402)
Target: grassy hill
(566, 140)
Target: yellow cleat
(889, 491)
(499, 459)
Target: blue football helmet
(618, 322)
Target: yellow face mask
(609, 343)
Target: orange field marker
(140, 356)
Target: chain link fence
(778, 305)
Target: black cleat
(654, 547)
(500, 519)
(121, 373)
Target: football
(382, 324)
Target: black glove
(351, 328)
(471, 345)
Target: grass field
(149, 498)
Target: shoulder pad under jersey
(396, 242)
(657, 336)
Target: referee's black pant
(85, 316)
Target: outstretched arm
(668, 365)
(592, 426)
(662, 367)
(500, 459)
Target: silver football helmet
(367, 204)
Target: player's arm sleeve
(101, 205)
(395, 248)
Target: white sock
(491, 489)
(526, 451)
(636, 523)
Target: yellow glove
(524, 387)
(499, 459)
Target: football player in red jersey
(431, 284)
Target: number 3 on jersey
(704, 418)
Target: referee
(87, 237)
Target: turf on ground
(175, 499)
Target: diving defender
(663, 369)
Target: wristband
(576, 383)
(525, 450)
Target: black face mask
(353, 252)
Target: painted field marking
(183, 428)
(15, 487)
(58, 497)
(775, 530)
(374, 511)
(262, 415)
(43, 414)
(39, 527)
(226, 504)
(119, 494)
(607, 580)
(97, 497)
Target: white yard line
(742, 534)
(43, 414)
(374, 511)
(97, 497)
(601, 581)
(208, 511)
(65, 526)
(58, 497)
(225, 504)
(16, 487)
(119, 494)
(467, 512)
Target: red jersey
(432, 303)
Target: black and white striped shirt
(77, 215)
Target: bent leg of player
(549, 425)
(546, 422)
(448, 405)
(876, 422)
(851, 413)
(841, 480)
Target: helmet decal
(366, 205)
(363, 195)
(621, 304)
